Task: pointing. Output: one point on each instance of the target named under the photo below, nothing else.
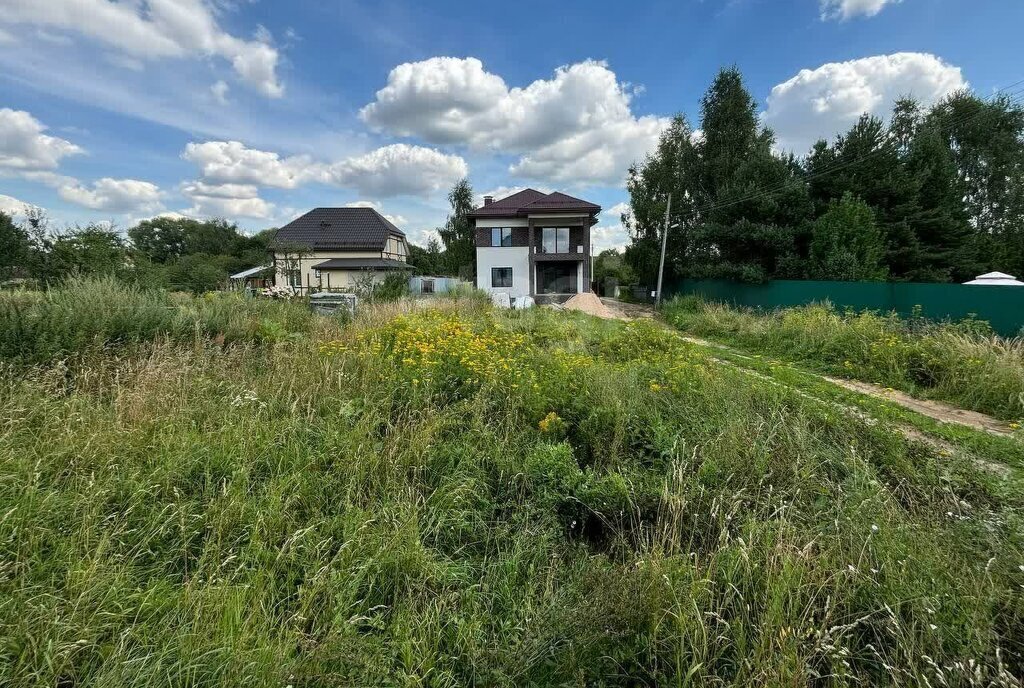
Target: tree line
(935, 195)
(173, 253)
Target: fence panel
(1001, 306)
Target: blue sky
(257, 111)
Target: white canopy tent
(996, 279)
(250, 272)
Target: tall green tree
(14, 248)
(945, 187)
(199, 272)
(90, 250)
(866, 162)
(846, 244)
(164, 239)
(610, 265)
(938, 219)
(748, 202)
(986, 141)
(670, 168)
(457, 233)
(193, 255)
(429, 260)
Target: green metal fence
(1002, 307)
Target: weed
(454, 496)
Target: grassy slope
(956, 363)
(468, 497)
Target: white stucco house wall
(534, 244)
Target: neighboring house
(534, 244)
(337, 249)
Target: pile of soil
(588, 303)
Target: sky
(257, 111)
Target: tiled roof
(362, 263)
(532, 201)
(326, 229)
(559, 201)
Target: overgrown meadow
(449, 495)
(960, 363)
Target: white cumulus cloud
(24, 146)
(12, 207)
(612, 234)
(225, 200)
(398, 169)
(604, 237)
(115, 195)
(395, 170)
(232, 161)
(618, 210)
(577, 126)
(819, 103)
(155, 29)
(397, 220)
(848, 9)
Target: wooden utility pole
(664, 240)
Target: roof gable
(530, 201)
(324, 229)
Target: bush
(393, 287)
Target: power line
(825, 171)
(1013, 97)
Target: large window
(501, 277)
(555, 240)
(294, 278)
(501, 236)
(556, 277)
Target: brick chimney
(488, 200)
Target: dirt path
(628, 311)
(936, 410)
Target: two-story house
(534, 244)
(337, 248)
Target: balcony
(559, 243)
(573, 253)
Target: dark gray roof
(530, 201)
(327, 229)
(362, 264)
(508, 205)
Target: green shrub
(393, 287)
(552, 472)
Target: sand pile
(588, 303)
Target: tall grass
(85, 314)
(462, 497)
(961, 363)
